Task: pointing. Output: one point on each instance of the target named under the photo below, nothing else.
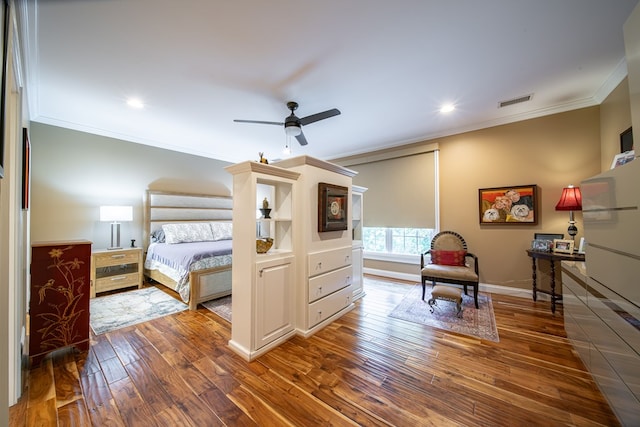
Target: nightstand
(113, 269)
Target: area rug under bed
(220, 306)
(116, 311)
(479, 323)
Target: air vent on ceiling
(517, 100)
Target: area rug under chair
(116, 311)
(479, 323)
(220, 306)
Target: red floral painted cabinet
(59, 302)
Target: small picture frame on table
(623, 158)
(563, 246)
(541, 245)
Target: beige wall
(615, 118)
(550, 152)
(74, 173)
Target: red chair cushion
(448, 257)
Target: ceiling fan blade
(301, 139)
(319, 116)
(259, 122)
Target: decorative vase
(265, 213)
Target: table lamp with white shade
(114, 214)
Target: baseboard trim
(484, 287)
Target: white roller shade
(401, 191)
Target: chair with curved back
(450, 263)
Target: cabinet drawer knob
(113, 279)
(118, 256)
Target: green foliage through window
(402, 241)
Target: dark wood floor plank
(222, 379)
(113, 369)
(148, 386)
(133, 410)
(107, 415)
(260, 412)
(95, 390)
(102, 347)
(191, 404)
(123, 347)
(225, 409)
(173, 416)
(365, 368)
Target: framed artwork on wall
(626, 140)
(332, 207)
(26, 168)
(4, 33)
(508, 205)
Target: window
(398, 241)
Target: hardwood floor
(364, 369)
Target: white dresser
(601, 297)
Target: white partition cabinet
(306, 280)
(263, 286)
(324, 276)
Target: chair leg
(424, 285)
(475, 294)
(465, 289)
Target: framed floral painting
(508, 205)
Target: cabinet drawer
(325, 261)
(326, 307)
(117, 281)
(107, 260)
(325, 284)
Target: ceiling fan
(293, 124)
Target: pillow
(187, 232)
(448, 257)
(222, 230)
(158, 236)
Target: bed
(188, 244)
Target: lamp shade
(116, 213)
(570, 200)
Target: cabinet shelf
(105, 272)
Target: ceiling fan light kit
(293, 125)
(291, 129)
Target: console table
(552, 257)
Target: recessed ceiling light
(135, 103)
(447, 108)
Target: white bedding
(192, 257)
